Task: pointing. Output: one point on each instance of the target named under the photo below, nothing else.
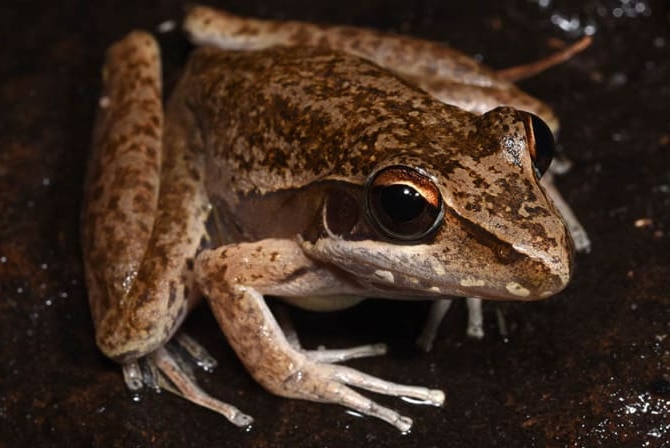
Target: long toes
(362, 380)
(335, 392)
(328, 383)
(187, 388)
(341, 355)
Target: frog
(317, 166)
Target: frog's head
(471, 220)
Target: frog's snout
(555, 264)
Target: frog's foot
(322, 354)
(333, 380)
(186, 387)
(318, 379)
(575, 228)
(167, 368)
(290, 371)
(475, 318)
(331, 384)
(312, 375)
(328, 383)
(438, 309)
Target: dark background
(589, 367)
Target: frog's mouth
(422, 270)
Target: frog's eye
(540, 143)
(404, 203)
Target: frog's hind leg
(136, 260)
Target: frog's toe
(197, 352)
(438, 309)
(132, 375)
(341, 394)
(356, 378)
(475, 318)
(330, 383)
(184, 385)
(163, 369)
(323, 355)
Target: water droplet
(167, 26)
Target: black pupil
(402, 203)
(544, 144)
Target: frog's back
(283, 117)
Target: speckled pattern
(122, 194)
(282, 120)
(137, 241)
(299, 121)
(586, 368)
(443, 71)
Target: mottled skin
(256, 185)
(134, 239)
(447, 74)
(304, 99)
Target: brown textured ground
(589, 368)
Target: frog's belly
(324, 303)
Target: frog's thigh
(122, 185)
(149, 293)
(235, 278)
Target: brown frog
(316, 165)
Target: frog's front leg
(236, 278)
(143, 219)
(322, 354)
